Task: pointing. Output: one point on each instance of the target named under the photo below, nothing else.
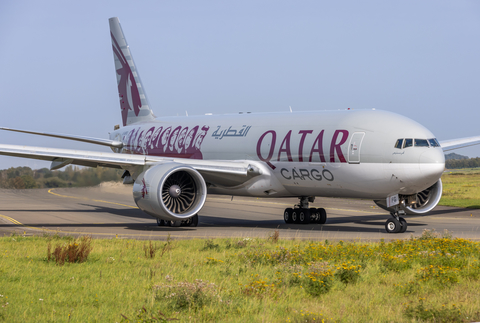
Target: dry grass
(74, 251)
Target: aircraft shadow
(359, 223)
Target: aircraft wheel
(160, 222)
(287, 215)
(323, 216)
(314, 215)
(393, 226)
(404, 225)
(194, 221)
(295, 217)
(174, 223)
(304, 216)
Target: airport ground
(109, 211)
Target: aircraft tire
(160, 222)
(193, 221)
(295, 217)
(393, 226)
(174, 223)
(323, 216)
(314, 215)
(304, 216)
(404, 225)
(287, 215)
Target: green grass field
(428, 278)
(461, 188)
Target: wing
(90, 140)
(225, 173)
(452, 144)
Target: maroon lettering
(302, 141)
(335, 147)
(317, 147)
(286, 142)
(272, 147)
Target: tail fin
(133, 100)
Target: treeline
(462, 163)
(71, 176)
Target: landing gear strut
(302, 214)
(190, 222)
(396, 224)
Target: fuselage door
(354, 147)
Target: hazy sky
(417, 58)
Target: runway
(108, 211)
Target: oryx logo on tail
(127, 87)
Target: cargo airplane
(175, 161)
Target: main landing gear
(190, 222)
(396, 224)
(302, 214)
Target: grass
(461, 188)
(430, 278)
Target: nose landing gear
(396, 224)
(302, 214)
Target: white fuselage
(322, 153)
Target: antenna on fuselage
(290, 108)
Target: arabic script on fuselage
(229, 132)
(180, 142)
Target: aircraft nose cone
(432, 156)
(432, 164)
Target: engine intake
(427, 200)
(170, 191)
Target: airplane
(174, 162)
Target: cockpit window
(408, 143)
(434, 142)
(421, 143)
(399, 143)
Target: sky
(420, 59)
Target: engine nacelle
(426, 200)
(170, 191)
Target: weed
(186, 295)
(209, 245)
(259, 287)
(274, 236)
(444, 314)
(444, 276)
(396, 263)
(243, 243)
(143, 316)
(306, 316)
(150, 250)
(212, 261)
(348, 273)
(428, 234)
(75, 251)
(317, 284)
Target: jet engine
(170, 191)
(425, 200)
